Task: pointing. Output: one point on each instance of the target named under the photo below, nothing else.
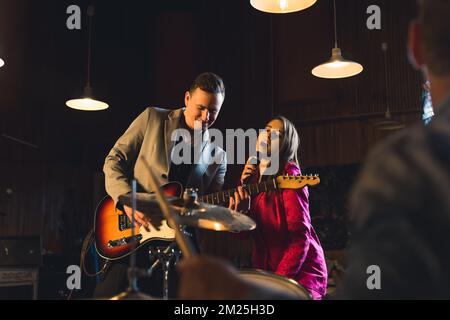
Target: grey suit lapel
(170, 125)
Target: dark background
(146, 53)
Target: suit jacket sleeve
(119, 164)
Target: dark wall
(146, 53)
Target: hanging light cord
(335, 26)
(384, 47)
(90, 13)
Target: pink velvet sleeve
(298, 223)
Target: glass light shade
(281, 6)
(87, 103)
(2, 63)
(388, 124)
(337, 67)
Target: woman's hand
(248, 172)
(241, 201)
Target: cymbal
(194, 214)
(132, 295)
(219, 219)
(206, 216)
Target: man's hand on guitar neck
(142, 219)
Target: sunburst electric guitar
(113, 234)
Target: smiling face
(278, 144)
(270, 140)
(202, 106)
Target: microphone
(255, 160)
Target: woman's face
(270, 140)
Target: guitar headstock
(297, 182)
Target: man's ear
(415, 45)
(187, 97)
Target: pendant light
(337, 67)
(87, 102)
(281, 6)
(387, 124)
(2, 63)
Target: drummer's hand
(209, 278)
(141, 219)
(241, 201)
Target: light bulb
(283, 5)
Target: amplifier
(18, 277)
(20, 251)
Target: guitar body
(113, 240)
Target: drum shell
(276, 282)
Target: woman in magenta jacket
(284, 241)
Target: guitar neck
(222, 197)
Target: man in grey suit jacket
(151, 138)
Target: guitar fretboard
(222, 197)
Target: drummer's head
(279, 141)
(429, 46)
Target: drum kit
(188, 212)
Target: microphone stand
(185, 245)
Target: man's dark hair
(208, 82)
(434, 16)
